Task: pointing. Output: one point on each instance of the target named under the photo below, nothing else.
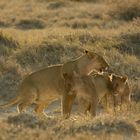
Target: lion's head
(93, 61)
(85, 64)
(118, 83)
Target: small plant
(57, 5)
(31, 24)
(8, 41)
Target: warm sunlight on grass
(38, 33)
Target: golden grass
(77, 127)
(38, 33)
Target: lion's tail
(11, 102)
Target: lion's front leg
(93, 107)
(67, 101)
(106, 101)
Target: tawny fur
(46, 85)
(95, 88)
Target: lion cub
(109, 87)
(123, 97)
(93, 89)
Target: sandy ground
(52, 109)
(78, 127)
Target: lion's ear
(65, 75)
(113, 77)
(124, 78)
(109, 74)
(86, 51)
(110, 77)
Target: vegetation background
(38, 33)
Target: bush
(87, 0)
(31, 24)
(56, 5)
(8, 41)
(9, 79)
(129, 43)
(46, 54)
(126, 9)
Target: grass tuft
(31, 24)
(8, 41)
(126, 9)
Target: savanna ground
(38, 33)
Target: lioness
(93, 88)
(84, 89)
(44, 86)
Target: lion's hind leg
(67, 102)
(26, 101)
(39, 110)
(93, 107)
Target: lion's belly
(48, 95)
(47, 86)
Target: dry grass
(38, 33)
(102, 127)
(30, 24)
(126, 9)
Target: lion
(92, 89)
(83, 88)
(44, 86)
(114, 86)
(123, 97)
(120, 92)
